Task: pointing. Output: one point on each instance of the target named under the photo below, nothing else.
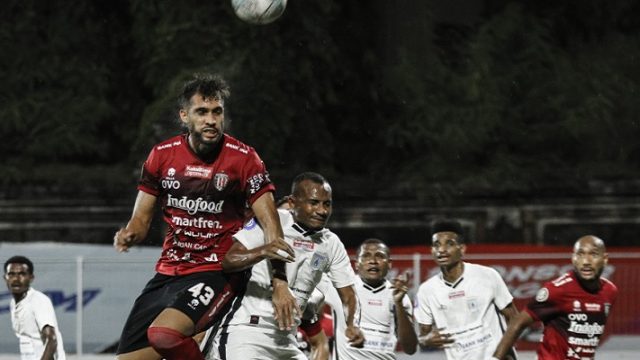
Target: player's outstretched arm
(239, 257)
(514, 330)
(350, 302)
(406, 332)
(284, 304)
(138, 226)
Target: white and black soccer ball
(259, 12)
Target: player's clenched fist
(123, 240)
(355, 336)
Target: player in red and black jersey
(205, 181)
(573, 308)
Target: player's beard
(202, 143)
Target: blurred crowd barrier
(109, 282)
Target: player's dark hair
(448, 225)
(372, 241)
(308, 175)
(207, 85)
(19, 259)
(283, 200)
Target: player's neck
(19, 297)
(452, 272)
(592, 286)
(373, 283)
(206, 152)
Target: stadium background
(519, 118)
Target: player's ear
(463, 249)
(606, 259)
(183, 115)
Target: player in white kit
(250, 330)
(386, 310)
(32, 315)
(462, 309)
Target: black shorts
(205, 297)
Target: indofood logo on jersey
(193, 206)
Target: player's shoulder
(563, 284)
(286, 218)
(236, 146)
(477, 268)
(38, 296)
(430, 284)
(477, 271)
(330, 236)
(171, 143)
(609, 286)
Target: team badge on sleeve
(542, 295)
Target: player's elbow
(409, 349)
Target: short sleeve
(340, 271)
(251, 235)
(543, 306)
(407, 305)
(149, 181)
(44, 313)
(502, 296)
(255, 177)
(422, 311)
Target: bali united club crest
(220, 181)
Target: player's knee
(163, 338)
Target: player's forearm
(350, 303)
(50, 343)
(238, 260)
(265, 211)
(508, 340)
(406, 333)
(319, 346)
(139, 228)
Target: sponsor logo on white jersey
(303, 244)
(193, 206)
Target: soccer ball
(259, 12)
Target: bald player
(573, 308)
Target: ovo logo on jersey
(170, 182)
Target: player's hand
(400, 286)
(354, 336)
(285, 305)
(123, 240)
(435, 339)
(278, 250)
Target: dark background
(415, 108)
